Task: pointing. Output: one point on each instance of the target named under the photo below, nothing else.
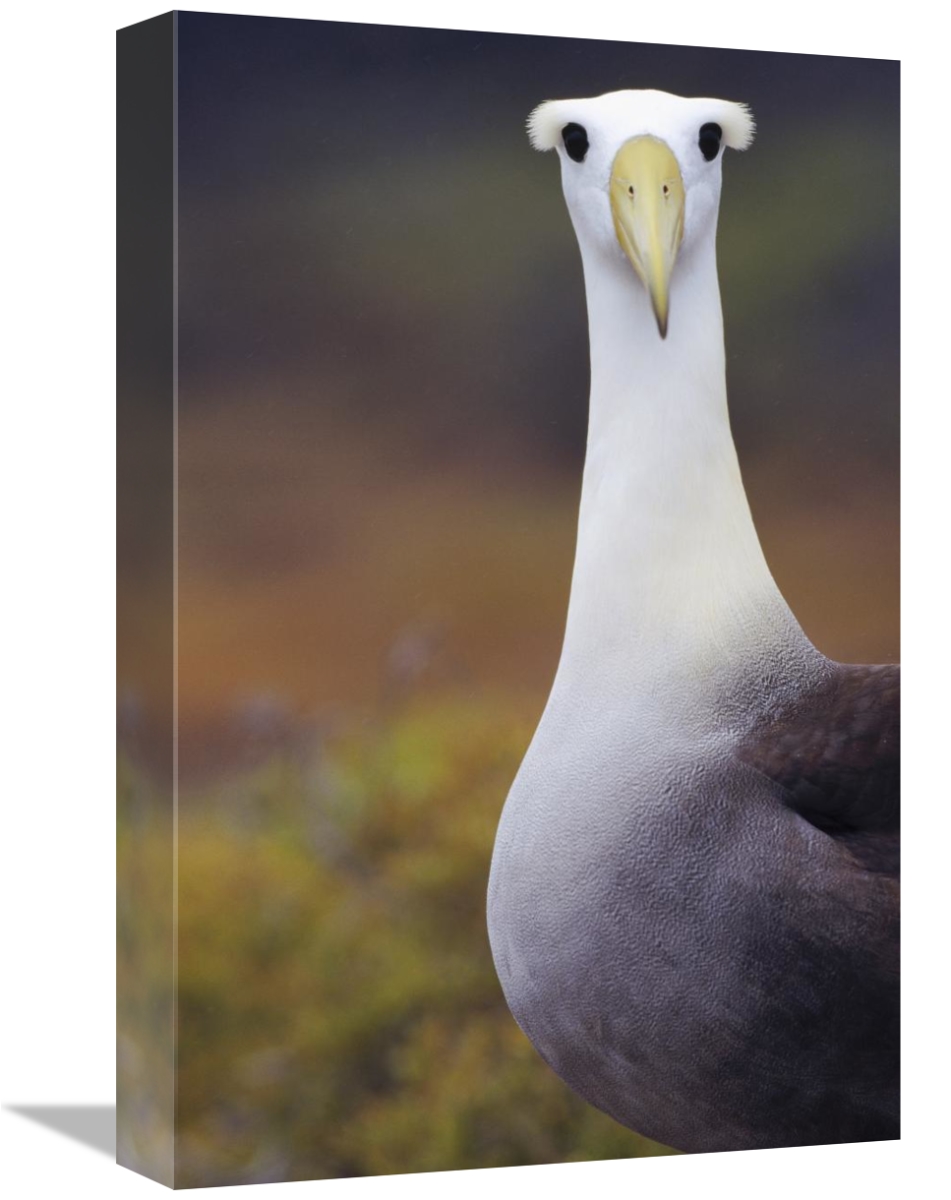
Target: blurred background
(383, 386)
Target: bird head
(641, 173)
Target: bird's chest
(625, 886)
(608, 862)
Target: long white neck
(669, 581)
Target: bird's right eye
(576, 141)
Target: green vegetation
(339, 1013)
(145, 1075)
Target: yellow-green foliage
(145, 981)
(338, 1009)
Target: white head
(641, 173)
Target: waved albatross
(693, 900)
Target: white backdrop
(58, 510)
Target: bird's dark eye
(576, 141)
(710, 135)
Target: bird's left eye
(710, 135)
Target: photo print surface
(383, 384)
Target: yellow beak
(647, 203)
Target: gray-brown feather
(834, 751)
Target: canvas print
(508, 435)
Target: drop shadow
(92, 1124)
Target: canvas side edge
(145, 499)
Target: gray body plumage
(686, 949)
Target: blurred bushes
(145, 1008)
(339, 1013)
